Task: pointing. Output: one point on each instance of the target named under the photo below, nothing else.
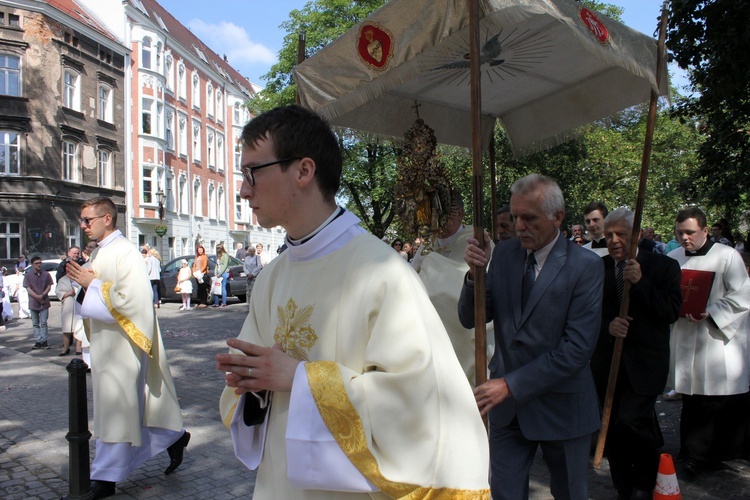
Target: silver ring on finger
(249, 371)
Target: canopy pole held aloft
(645, 160)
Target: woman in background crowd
(222, 269)
(200, 271)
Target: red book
(696, 287)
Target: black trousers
(715, 428)
(203, 292)
(633, 439)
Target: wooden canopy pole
(645, 160)
(480, 315)
(493, 190)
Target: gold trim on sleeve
(342, 420)
(230, 415)
(132, 331)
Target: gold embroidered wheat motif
(294, 332)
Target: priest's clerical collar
(702, 250)
(338, 212)
(600, 243)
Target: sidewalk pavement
(34, 422)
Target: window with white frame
(158, 57)
(169, 191)
(196, 91)
(14, 20)
(10, 240)
(159, 131)
(210, 99)
(197, 198)
(105, 168)
(219, 152)
(182, 195)
(211, 201)
(147, 116)
(146, 53)
(219, 106)
(210, 148)
(182, 134)
(71, 89)
(10, 157)
(237, 149)
(181, 81)
(10, 75)
(105, 112)
(148, 184)
(72, 235)
(169, 72)
(237, 113)
(221, 202)
(196, 141)
(70, 163)
(238, 208)
(169, 129)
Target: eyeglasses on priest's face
(86, 221)
(247, 171)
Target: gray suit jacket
(543, 351)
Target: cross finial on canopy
(416, 108)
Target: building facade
(117, 98)
(188, 110)
(61, 124)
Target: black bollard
(78, 433)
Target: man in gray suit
(544, 294)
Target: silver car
(237, 279)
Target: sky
(248, 31)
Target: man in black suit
(544, 296)
(634, 437)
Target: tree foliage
(709, 39)
(322, 21)
(369, 164)
(602, 164)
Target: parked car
(49, 265)
(168, 280)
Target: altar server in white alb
(343, 382)
(136, 413)
(709, 362)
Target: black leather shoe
(641, 495)
(691, 467)
(176, 450)
(102, 489)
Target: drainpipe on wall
(128, 126)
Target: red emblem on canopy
(375, 45)
(594, 25)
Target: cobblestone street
(34, 421)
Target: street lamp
(160, 198)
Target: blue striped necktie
(529, 277)
(619, 280)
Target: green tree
(709, 39)
(322, 21)
(369, 163)
(602, 164)
(367, 181)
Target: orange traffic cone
(666, 481)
